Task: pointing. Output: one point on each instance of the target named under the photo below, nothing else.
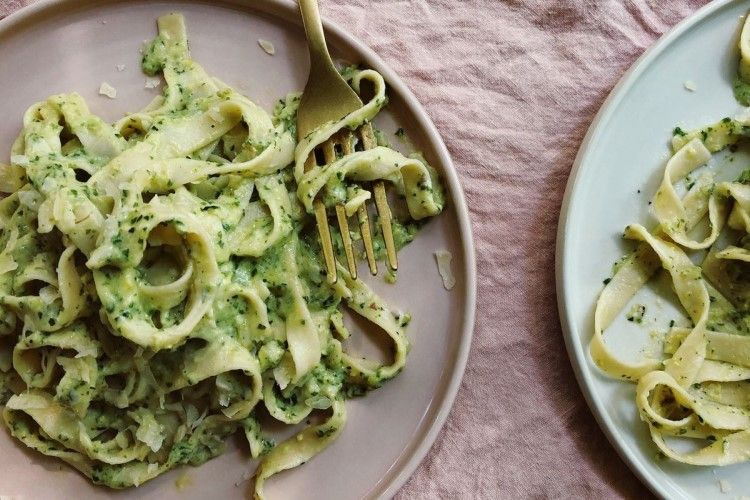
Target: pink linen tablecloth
(512, 87)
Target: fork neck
(320, 59)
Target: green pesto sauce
(154, 56)
(744, 177)
(285, 111)
(6, 391)
(722, 316)
(403, 234)
(741, 91)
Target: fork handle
(316, 42)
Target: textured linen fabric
(512, 87)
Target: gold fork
(327, 97)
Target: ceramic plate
(65, 46)
(616, 173)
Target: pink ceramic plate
(70, 45)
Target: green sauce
(741, 91)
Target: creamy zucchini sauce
(161, 278)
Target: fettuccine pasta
(699, 389)
(160, 278)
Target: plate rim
(281, 8)
(578, 353)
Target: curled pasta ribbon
(74, 215)
(215, 360)
(35, 355)
(63, 426)
(42, 424)
(254, 239)
(410, 174)
(692, 294)
(301, 334)
(714, 137)
(218, 109)
(300, 448)
(218, 359)
(52, 172)
(632, 273)
(159, 163)
(61, 302)
(363, 301)
(721, 347)
(668, 207)
(739, 217)
(370, 165)
(726, 425)
(137, 382)
(123, 298)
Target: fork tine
(384, 213)
(323, 230)
(368, 136)
(310, 162)
(346, 239)
(345, 140)
(364, 228)
(381, 202)
(325, 238)
(329, 153)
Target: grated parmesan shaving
(690, 85)
(107, 90)
(151, 83)
(30, 199)
(725, 486)
(215, 114)
(48, 294)
(120, 67)
(20, 160)
(443, 259)
(88, 351)
(283, 373)
(267, 46)
(48, 185)
(193, 420)
(150, 432)
(121, 440)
